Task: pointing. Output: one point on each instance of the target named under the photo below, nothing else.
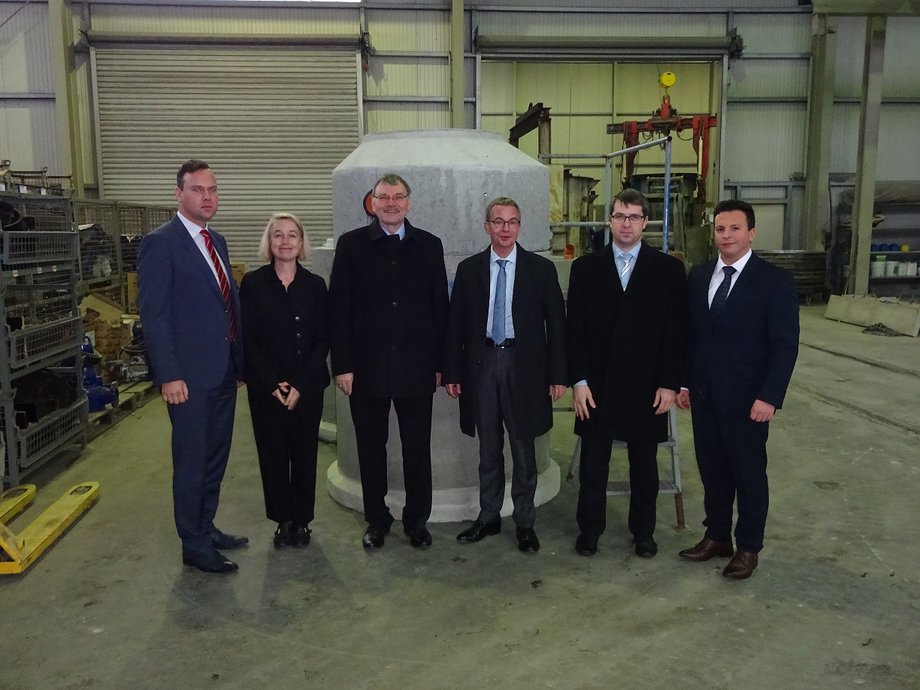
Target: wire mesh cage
(31, 345)
(133, 225)
(47, 213)
(37, 440)
(97, 224)
(23, 250)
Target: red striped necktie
(222, 281)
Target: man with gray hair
(505, 360)
(388, 302)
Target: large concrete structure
(453, 175)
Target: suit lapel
(608, 269)
(197, 258)
(743, 285)
(523, 278)
(701, 295)
(641, 270)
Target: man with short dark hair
(625, 342)
(506, 362)
(744, 336)
(190, 311)
(387, 306)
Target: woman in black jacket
(285, 346)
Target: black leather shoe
(586, 544)
(374, 536)
(209, 560)
(219, 540)
(283, 535)
(419, 537)
(646, 547)
(300, 536)
(527, 540)
(478, 531)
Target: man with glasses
(506, 362)
(190, 309)
(626, 336)
(388, 303)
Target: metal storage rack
(42, 333)
(109, 236)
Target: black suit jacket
(538, 312)
(749, 352)
(387, 308)
(626, 344)
(284, 331)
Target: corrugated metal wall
(407, 81)
(169, 19)
(272, 122)
(28, 133)
(638, 24)
(899, 146)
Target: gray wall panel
(273, 123)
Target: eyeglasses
(500, 223)
(386, 198)
(634, 218)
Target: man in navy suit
(505, 360)
(190, 313)
(744, 334)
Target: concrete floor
(835, 602)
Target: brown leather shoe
(741, 566)
(706, 549)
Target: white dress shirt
(195, 232)
(718, 276)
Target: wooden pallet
(130, 398)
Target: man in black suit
(387, 307)
(506, 362)
(190, 310)
(744, 335)
(626, 334)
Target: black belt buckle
(507, 342)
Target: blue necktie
(718, 300)
(498, 309)
(624, 272)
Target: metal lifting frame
(664, 142)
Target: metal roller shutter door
(271, 122)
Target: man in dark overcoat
(387, 307)
(505, 360)
(626, 335)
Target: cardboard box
(238, 269)
(131, 288)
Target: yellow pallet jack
(19, 551)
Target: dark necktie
(498, 309)
(718, 300)
(222, 282)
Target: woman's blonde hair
(265, 251)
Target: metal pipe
(457, 70)
(666, 215)
(103, 38)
